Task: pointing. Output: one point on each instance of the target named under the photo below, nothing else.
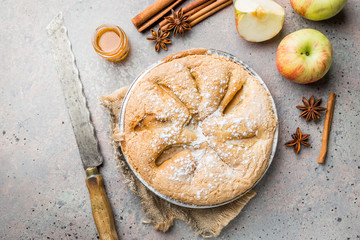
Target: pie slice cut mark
(149, 121)
(167, 153)
(194, 77)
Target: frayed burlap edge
(205, 222)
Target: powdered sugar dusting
(183, 172)
(201, 138)
(187, 109)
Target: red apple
(304, 56)
(317, 10)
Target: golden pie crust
(199, 128)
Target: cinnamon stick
(195, 10)
(327, 127)
(163, 24)
(208, 9)
(158, 16)
(190, 7)
(150, 11)
(207, 14)
(194, 4)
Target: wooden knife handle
(101, 209)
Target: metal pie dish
(171, 200)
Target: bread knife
(82, 127)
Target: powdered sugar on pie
(199, 129)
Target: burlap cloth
(206, 222)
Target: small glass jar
(110, 42)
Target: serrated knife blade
(73, 93)
(83, 129)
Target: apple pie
(198, 128)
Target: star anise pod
(311, 109)
(178, 22)
(160, 39)
(298, 140)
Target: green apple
(317, 9)
(304, 56)
(258, 20)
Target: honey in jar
(111, 42)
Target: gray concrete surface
(42, 189)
